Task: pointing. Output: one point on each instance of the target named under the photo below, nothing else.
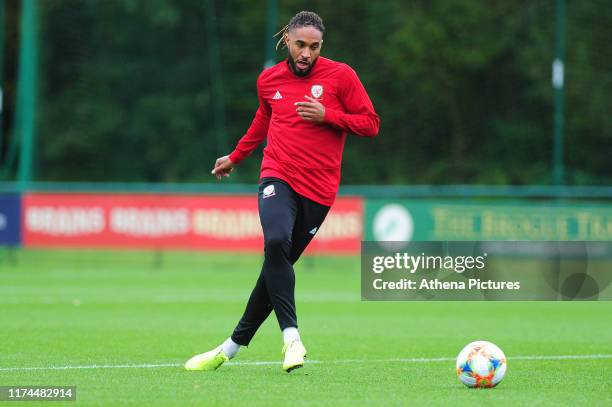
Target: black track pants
(289, 223)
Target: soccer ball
(481, 364)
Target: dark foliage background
(463, 88)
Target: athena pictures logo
(317, 91)
(393, 222)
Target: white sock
(291, 334)
(230, 348)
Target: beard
(299, 72)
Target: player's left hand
(311, 111)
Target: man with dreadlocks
(307, 104)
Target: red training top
(305, 154)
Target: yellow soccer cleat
(295, 353)
(210, 360)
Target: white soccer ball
(481, 364)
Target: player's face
(304, 46)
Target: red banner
(171, 222)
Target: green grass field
(139, 315)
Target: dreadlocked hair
(301, 19)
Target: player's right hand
(223, 167)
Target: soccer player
(307, 104)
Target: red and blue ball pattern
(481, 364)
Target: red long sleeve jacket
(305, 154)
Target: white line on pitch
(263, 363)
(143, 366)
